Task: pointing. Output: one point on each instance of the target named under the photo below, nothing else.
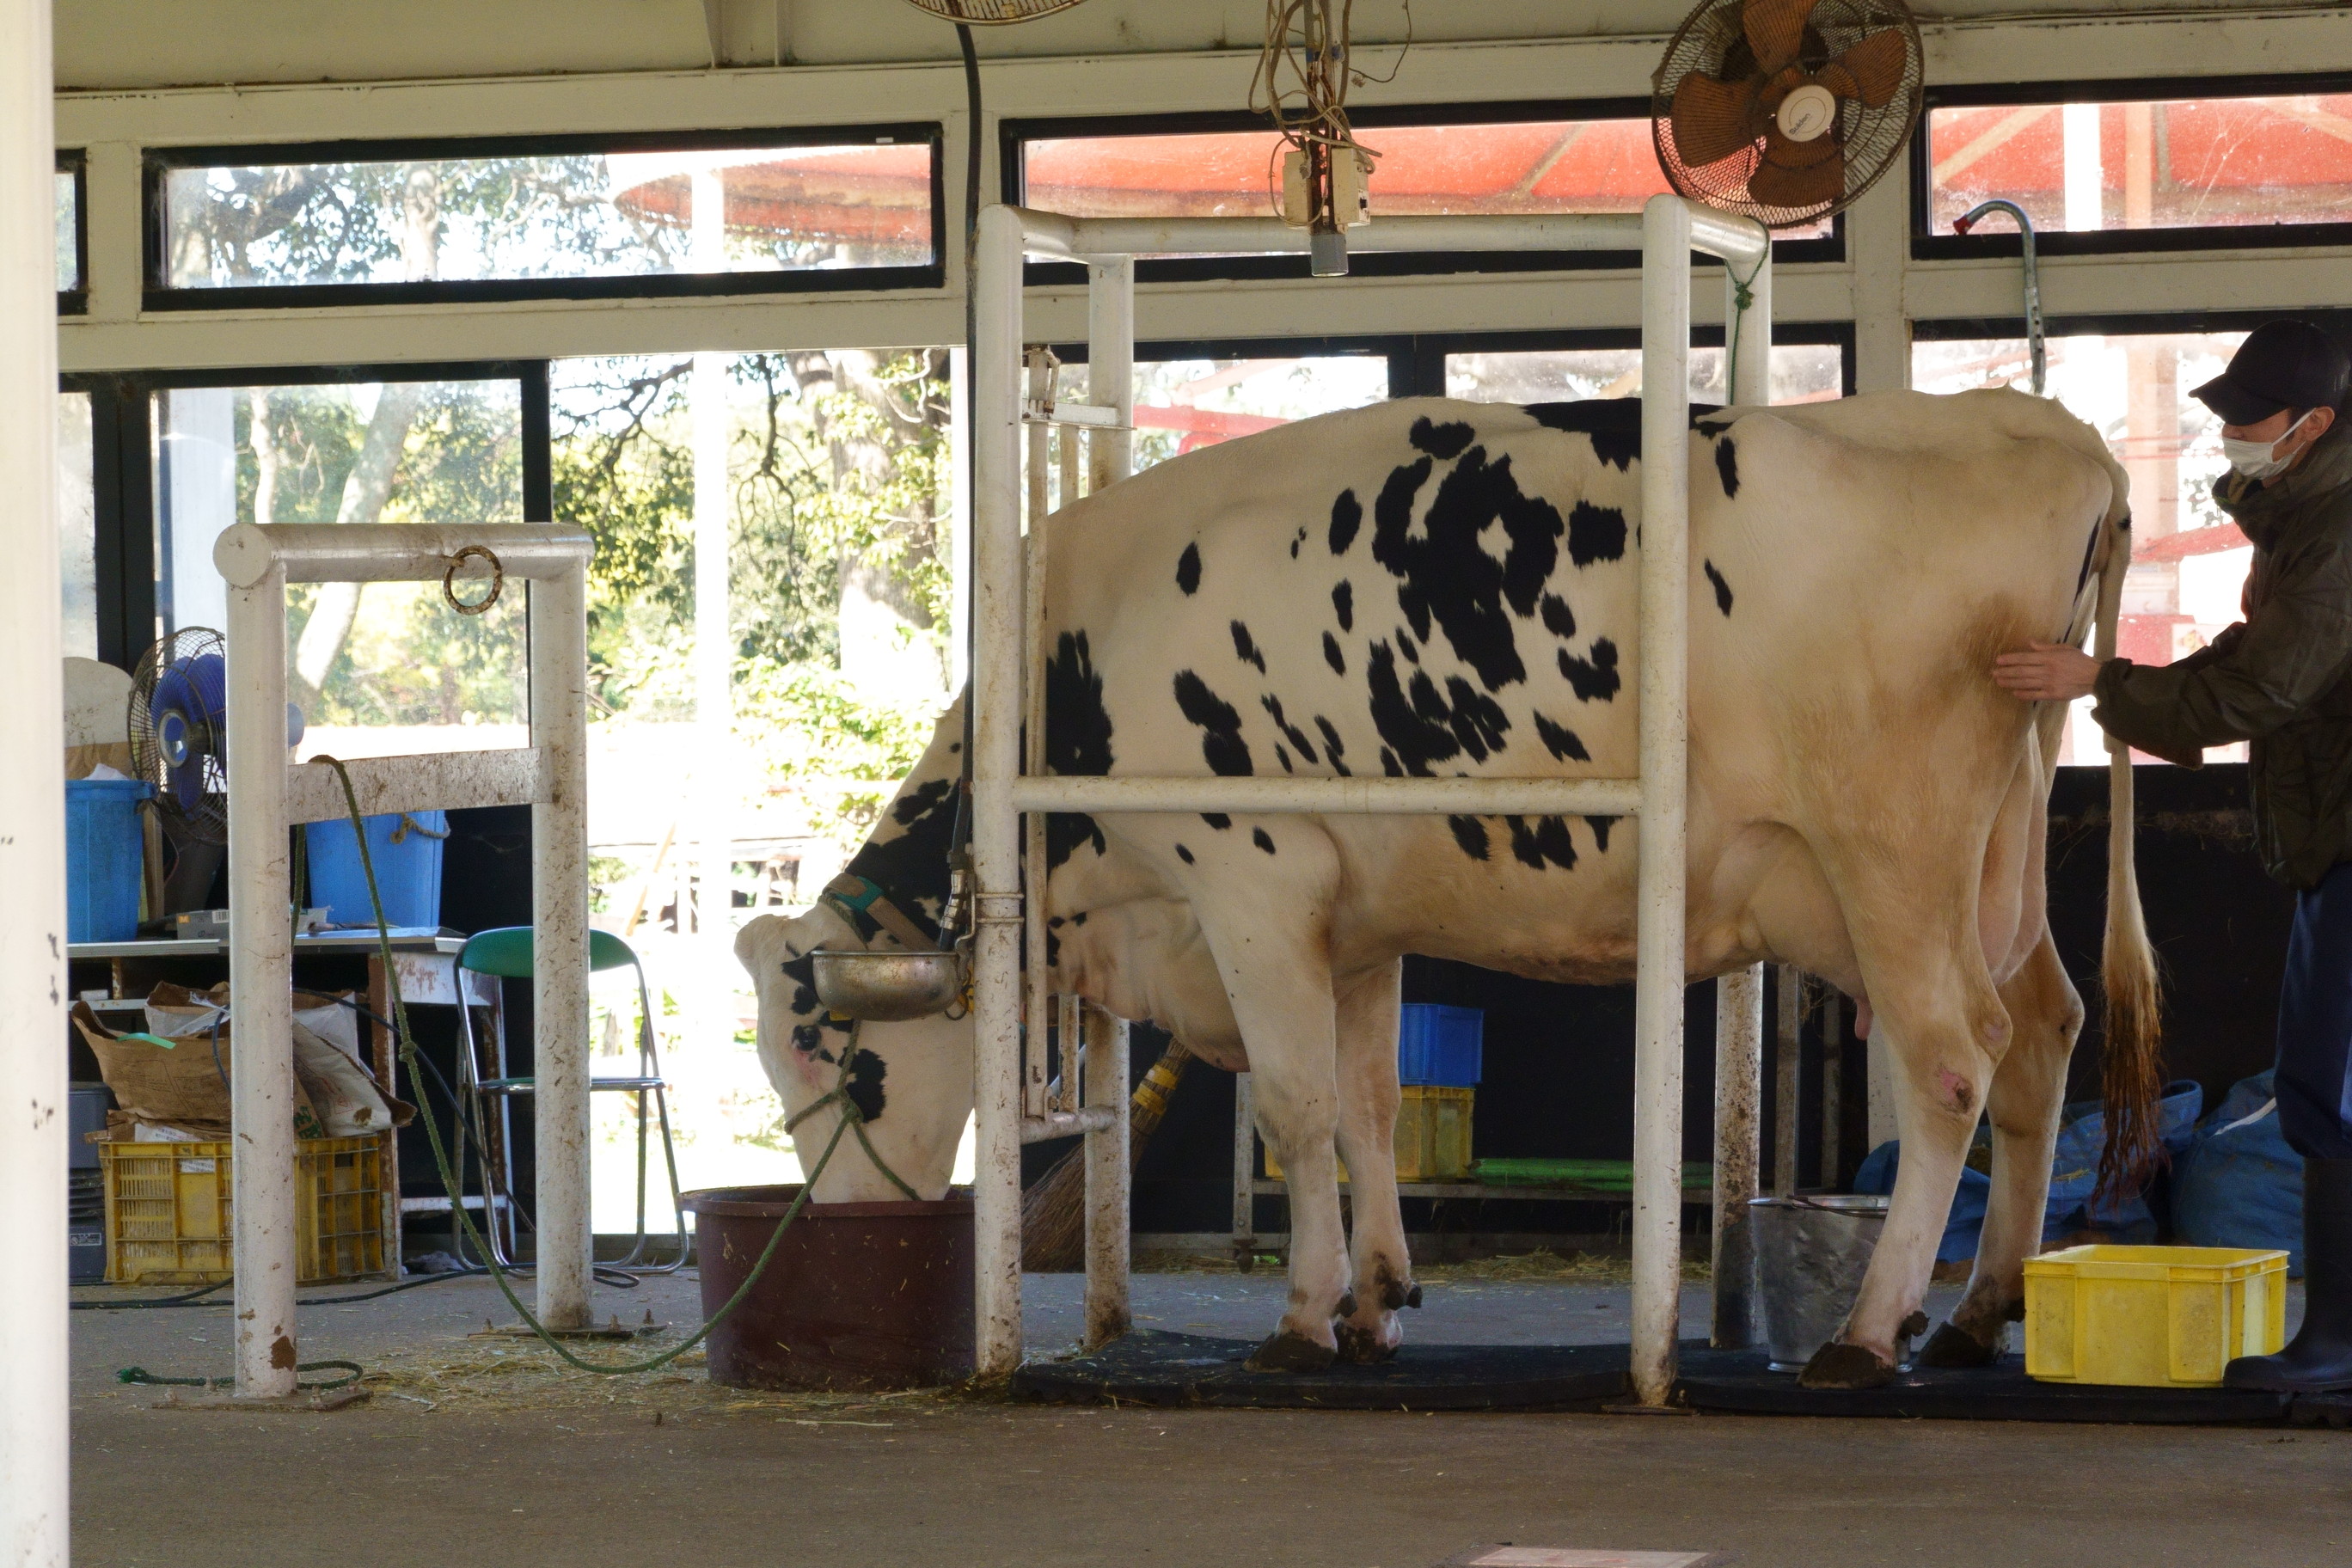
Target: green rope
(141, 1376)
(1743, 297)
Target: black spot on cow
(1065, 831)
(1245, 649)
(1347, 517)
(1601, 827)
(1055, 923)
(1543, 842)
(1424, 726)
(1444, 442)
(1471, 833)
(1595, 533)
(1333, 748)
(1188, 568)
(1217, 819)
(1343, 603)
(1220, 725)
(1332, 656)
(1558, 618)
(2090, 548)
(1297, 540)
(1614, 423)
(1727, 467)
(1077, 726)
(1561, 742)
(1183, 853)
(1291, 733)
(1390, 766)
(1405, 645)
(910, 864)
(1282, 755)
(1593, 680)
(1263, 839)
(1079, 919)
(1722, 588)
(1443, 571)
(1053, 949)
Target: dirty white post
(34, 1505)
(268, 796)
(1667, 231)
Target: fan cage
(992, 13)
(208, 818)
(1712, 41)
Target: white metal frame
(266, 795)
(1666, 232)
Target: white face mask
(2252, 460)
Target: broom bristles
(1054, 1209)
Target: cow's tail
(2131, 1081)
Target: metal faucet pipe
(1965, 222)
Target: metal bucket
(858, 1296)
(887, 986)
(1811, 1255)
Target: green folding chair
(506, 953)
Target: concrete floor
(472, 1452)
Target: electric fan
(987, 13)
(1786, 110)
(179, 731)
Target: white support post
(1245, 1174)
(1106, 1071)
(1110, 365)
(1739, 1076)
(34, 1508)
(1788, 1061)
(1660, 915)
(260, 979)
(559, 874)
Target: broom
(1054, 1210)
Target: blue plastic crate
(106, 858)
(1440, 1046)
(406, 850)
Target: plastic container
(106, 858)
(2151, 1316)
(858, 1296)
(406, 849)
(168, 1211)
(1440, 1044)
(1811, 1255)
(1432, 1136)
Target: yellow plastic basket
(168, 1219)
(2151, 1316)
(1433, 1135)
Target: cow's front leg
(1383, 1275)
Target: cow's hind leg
(2028, 1090)
(1381, 1276)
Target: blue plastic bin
(1440, 1046)
(407, 873)
(105, 859)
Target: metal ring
(449, 576)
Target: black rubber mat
(1148, 1367)
(1738, 1381)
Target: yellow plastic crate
(2151, 1316)
(168, 1217)
(1433, 1135)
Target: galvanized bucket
(1811, 1254)
(888, 985)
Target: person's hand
(2046, 672)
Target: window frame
(159, 162)
(1927, 245)
(75, 160)
(1014, 135)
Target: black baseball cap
(2281, 364)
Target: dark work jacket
(2282, 679)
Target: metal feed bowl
(886, 987)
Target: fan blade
(1776, 31)
(1795, 189)
(1712, 120)
(1875, 67)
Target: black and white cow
(1430, 588)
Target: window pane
(2188, 559)
(630, 215)
(76, 525)
(1525, 168)
(1801, 372)
(1182, 404)
(68, 210)
(378, 668)
(2173, 163)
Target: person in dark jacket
(2282, 681)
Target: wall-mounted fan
(1786, 110)
(986, 13)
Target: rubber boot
(2319, 1359)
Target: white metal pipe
(1751, 352)
(1788, 1061)
(1037, 385)
(1111, 366)
(1109, 1312)
(1739, 1077)
(996, 763)
(1244, 1165)
(260, 979)
(559, 876)
(1102, 239)
(1055, 1125)
(35, 1507)
(1322, 797)
(441, 781)
(1660, 915)
(397, 553)
(1832, 1091)
(1070, 1028)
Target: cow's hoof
(1362, 1346)
(1954, 1346)
(1287, 1351)
(1836, 1365)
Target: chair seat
(595, 1085)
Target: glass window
(1182, 404)
(590, 215)
(378, 668)
(1801, 372)
(68, 214)
(2188, 559)
(2189, 163)
(76, 525)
